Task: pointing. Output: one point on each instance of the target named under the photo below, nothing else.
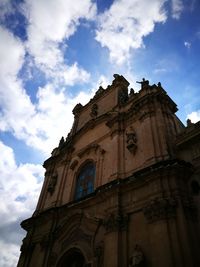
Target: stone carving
(132, 92)
(189, 123)
(131, 141)
(115, 222)
(159, 85)
(52, 183)
(120, 80)
(77, 109)
(137, 259)
(94, 111)
(99, 91)
(62, 141)
(144, 83)
(123, 96)
(160, 208)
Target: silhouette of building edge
(122, 189)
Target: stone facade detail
(160, 209)
(115, 222)
(131, 141)
(118, 188)
(137, 258)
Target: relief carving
(160, 208)
(137, 258)
(52, 183)
(131, 141)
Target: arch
(72, 258)
(85, 180)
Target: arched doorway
(72, 258)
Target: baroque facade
(122, 189)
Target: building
(122, 189)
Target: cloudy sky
(56, 53)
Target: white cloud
(194, 116)
(19, 190)
(177, 8)
(45, 35)
(16, 107)
(123, 27)
(41, 124)
(5, 8)
(187, 44)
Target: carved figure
(132, 92)
(189, 122)
(144, 83)
(137, 258)
(131, 141)
(62, 141)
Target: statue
(132, 92)
(137, 258)
(144, 83)
(62, 141)
(189, 122)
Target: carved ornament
(137, 258)
(160, 208)
(115, 222)
(94, 111)
(131, 141)
(52, 183)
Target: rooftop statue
(144, 83)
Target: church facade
(122, 189)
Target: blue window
(85, 181)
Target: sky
(55, 54)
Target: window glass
(85, 181)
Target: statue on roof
(144, 83)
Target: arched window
(85, 180)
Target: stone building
(122, 189)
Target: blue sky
(55, 54)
